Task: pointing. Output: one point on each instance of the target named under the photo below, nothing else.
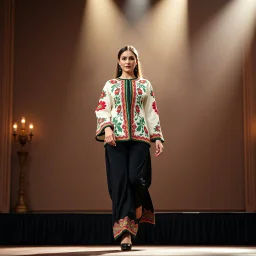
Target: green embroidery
(139, 121)
(141, 86)
(117, 125)
(117, 101)
(114, 86)
(140, 125)
(128, 103)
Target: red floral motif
(152, 94)
(139, 91)
(101, 120)
(155, 107)
(117, 91)
(134, 127)
(137, 109)
(142, 81)
(103, 95)
(145, 129)
(102, 105)
(123, 126)
(157, 128)
(113, 81)
(118, 109)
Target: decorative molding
(249, 147)
(6, 106)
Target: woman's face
(127, 62)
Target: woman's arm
(152, 116)
(103, 113)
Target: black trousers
(129, 177)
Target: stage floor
(137, 250)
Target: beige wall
(1, 47)
(253, 86)
(57, 89)
(253, 47)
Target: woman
(127, 122)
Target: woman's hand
(159, 147)
(110, 136)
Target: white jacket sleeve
(103, 113)
(152, 116)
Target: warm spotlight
(135, 10)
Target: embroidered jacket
(129, 107)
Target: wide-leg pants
(128, 167)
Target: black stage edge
(95, 229)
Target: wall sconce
(22, 138)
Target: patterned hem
(157, 138)
(100, 131)
(125, 225)
(148, 217)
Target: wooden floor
(137, 250)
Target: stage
(137, 250)
(95, 229)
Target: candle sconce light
(23, 138)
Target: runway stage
(137, 250)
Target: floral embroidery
(126, 105)
(125, 225)
(101, 120)
(103, 94)
(148, 217)
(136, 117)
(113, 81)
(117, 120)
(117, 125)
(155, 107)
(102, 105)
(114, 86)
(118, 110)
(117, 91)
(102, 126)
(134, 128)
(123, 118)
(140, 125)
(137, 109)
(157, 128)
(140, 91)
